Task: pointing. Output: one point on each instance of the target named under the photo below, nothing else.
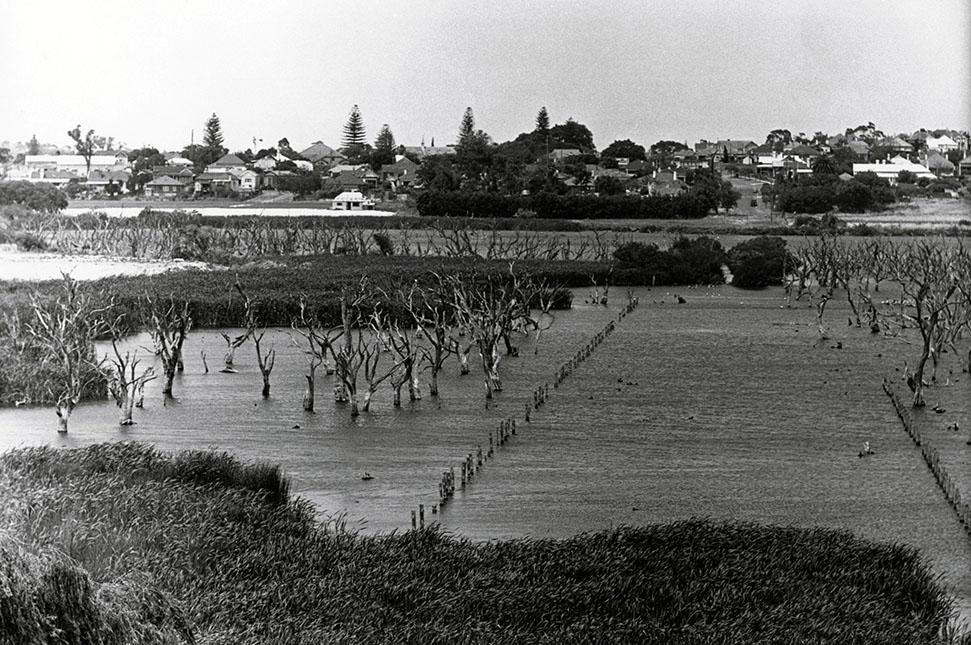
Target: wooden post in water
(414, 524)
(421, 515)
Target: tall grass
(246, 567)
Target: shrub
(385, 245)
(759, 262)
(43, 198)
(30, 241)
(854, 196)
(689, 261)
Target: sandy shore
(15, 265)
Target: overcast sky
(149, 73)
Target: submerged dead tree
(433, 315)
(127, 381)
(317, 344)
(169, 325)
(232, 344)
(265, 360)
(65, 330)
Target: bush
(43, 198)
(385, 245)
(807, 199)
(30, 242)
(759, 262)
(689, 261)
(854, 197)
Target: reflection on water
(710, 408)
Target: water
(726, 406)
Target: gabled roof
(164, 180)
(229, 160)
(734, 146)
(802, 150)
(350, 196)
(936, 161)
(319, 150)
(858, 146)
(764, 149)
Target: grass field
(176, 548)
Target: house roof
(164, 180)
(764, 149)
(802, 150)
(349, 196)
(350, 178)
(229, 160)
(734, 146)
(858, 146)
(319, 150)
(895, 142)
(936, 161)
(171, 171)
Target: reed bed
(244, 568)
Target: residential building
(401, 174)
(939, 164)
(165, 187)
(321, 155)
(352, 201)
(249, 181)
(225, 164)
(891, 170)
(943, 143)
(108, 181)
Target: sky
(151, 73)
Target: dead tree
(318, 342)
(169, 326)
(346, 358)
(65, 330)
(432, 312)
(127, 382)
(267, 359)
(407, 350)
(232, 344)
(488, 308)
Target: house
(964, 166)
(181, 173)
(558, 155)
(216, 182)
(164, 186)
(175, 159)
(860, 148)
(890, 171)
(893, 146)
(351, 180)
(76, 163)
(352, 201)
(250, 181)
(225, 164)
(335, 171)
(724, 150)
(321, 155)
(804, 153)
(423, 151)
(942, 143)
(108, 181)
(939, 164)
(400, 174)
(268, 162)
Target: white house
(891, 170)
(76, 163)
(352, 200)
(942, 143)
(225, 164)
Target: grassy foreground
(120, 543)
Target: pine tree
(354, 129)
(467, 129)
(33, 147)
(542, 121)
(385, 140)
(213, 138)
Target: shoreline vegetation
(135, 545)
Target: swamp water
(725, 406)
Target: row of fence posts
(932, 458)
(506, 429)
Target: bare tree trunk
(397, 394)
(414, 389)
(266, 385)
(433, 386)
(127, 404)
(463, 363)
(63, 411)
(308, 397)
(919, 382)
(169, 377)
